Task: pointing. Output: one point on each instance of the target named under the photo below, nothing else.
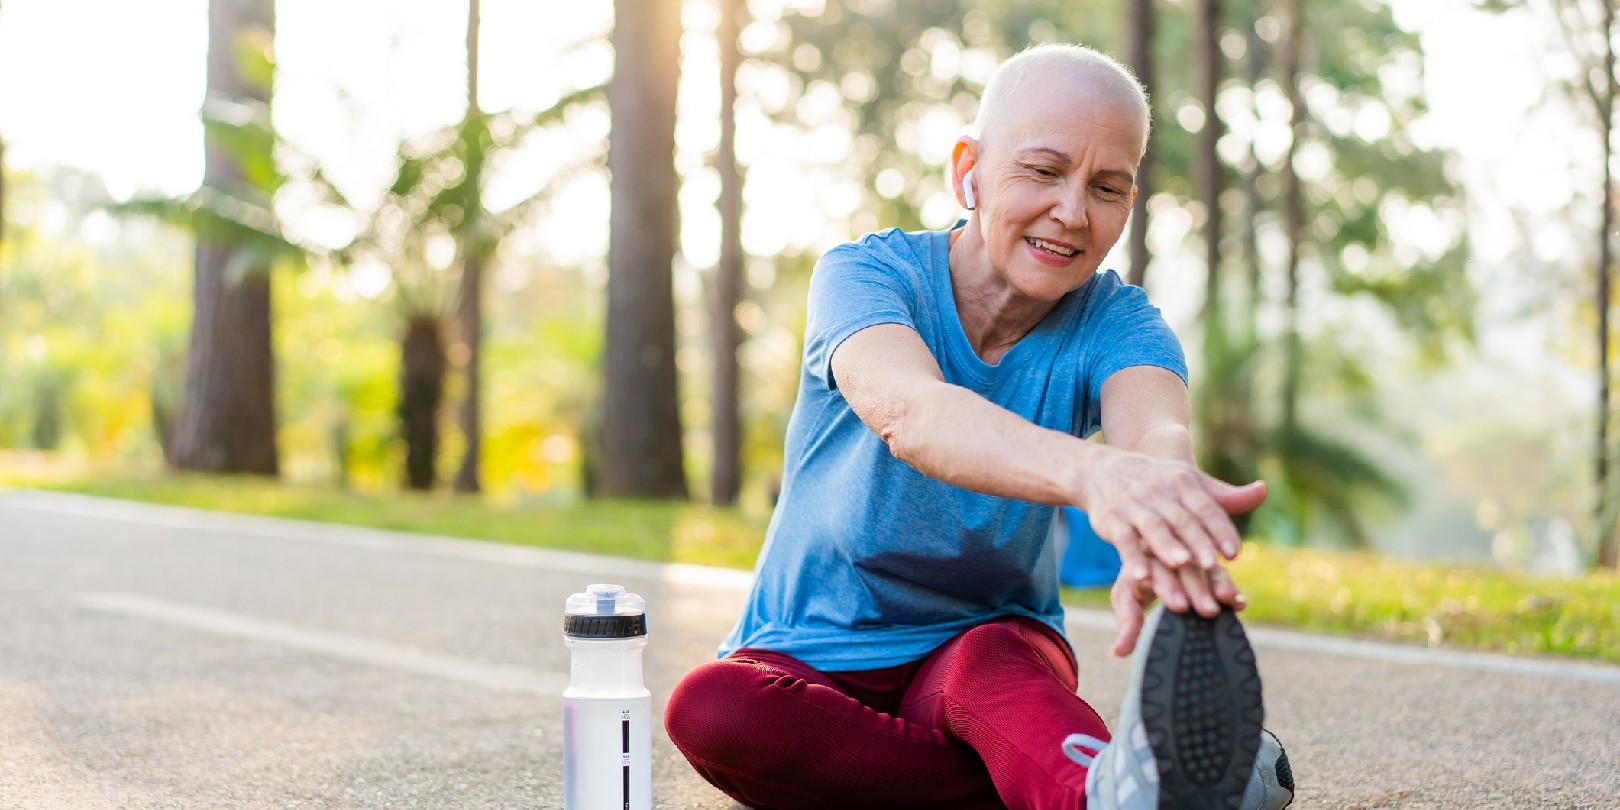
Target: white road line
(175, 517)
(322, 642)
(708, 577)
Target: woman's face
(1054, 189)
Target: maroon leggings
(979, 723)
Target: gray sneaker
(1189, 731)
(1271, 786)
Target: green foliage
(1311, 474)
(438, 185)
(1364, 181)
(92, 338)
(84, 326)
(337, 362)
(236, 208)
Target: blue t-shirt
(867, 562)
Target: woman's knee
(1011, 639)
(708, 708)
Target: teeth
(1051, 248)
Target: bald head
(1045, 75)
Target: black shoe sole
(1201, 709)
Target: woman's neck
(994, 315)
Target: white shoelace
(1083, 748)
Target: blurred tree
(421, 390)
(1609, 542)
(227, 419)
(641, 427)
(92, 314)
(1597, 84)
(1577, 22)
(1292, 209)
(475, 251)
(1326, 143)
(1608, 555)
(433, 233)
(1582, 58)
(1229, 438)
(726, 480)
(1139, 56)
(1253, 206)
(1230, 432)
(421, 230)
(406, 236)
(1211, 170)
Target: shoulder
(1107, 296)
(1106, 287)
(893, 248)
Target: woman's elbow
(889, 417)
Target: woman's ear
(964, 159)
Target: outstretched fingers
(1146, 563)
(1184, 530)
(1133, 561)
(1209, 521)
(1129, 604)
(1163, 536)
(1204, 591)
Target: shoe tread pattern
(1202, 710)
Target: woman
(903, 642)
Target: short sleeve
(1129, 331)
(850, 290)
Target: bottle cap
(605, 611)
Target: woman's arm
(1151, 500)
(1147, 410)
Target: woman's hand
(1163, 509)
(1131, 596)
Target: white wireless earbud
(967, 189)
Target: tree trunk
(1608, 555)
(1236, 442)
(470, 297)
(470, 329)
(421, 386)
(1139, 48)
(727, 427)
(227, 419)
(1293, 211)
(1254, 70)
(1209, 160)
(641, 430)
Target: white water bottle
(607, 736)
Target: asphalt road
(158, 657)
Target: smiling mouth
(1048, 247)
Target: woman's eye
(1046, 172)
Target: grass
(1369, 596)
(1351, 594)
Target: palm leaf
(1336, 477)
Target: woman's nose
(1070, 212)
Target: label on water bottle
(607, 748)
